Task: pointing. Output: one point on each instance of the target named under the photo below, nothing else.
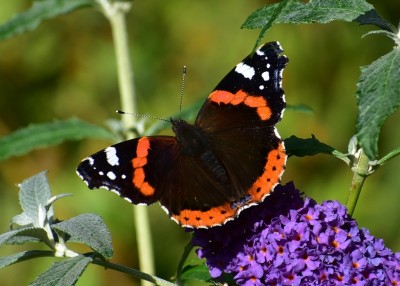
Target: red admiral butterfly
(230, 159)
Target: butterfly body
(229, 159)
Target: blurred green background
(66, 68)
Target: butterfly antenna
(182, 90)
(141, 115)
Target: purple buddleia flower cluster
(288, 240)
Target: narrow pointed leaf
(40, 11)
(391, 155)
(300, 108)
(28, 234)
(52, 200)
(63, 273)
(43, 135)
(22, 256)
(306, 147)
(309, 147)
(19, 240)
(378, 97)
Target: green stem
(361, 170)
(186, 252)
(136, 273)
(125, 73)
(115, 12)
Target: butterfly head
(191, 139)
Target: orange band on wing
(142, 148)
(257, 102)
(212, 217)
(273, 170)
(139, 176)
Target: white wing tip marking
(245, 70)
(111, 154)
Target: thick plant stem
(115, 12)
(361, 170)
(125, 73)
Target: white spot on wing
(283, 111)
(260, 53)
(261, 87)
(123, 176)
(101, 173)
(111, 175)
(265, 75)
(112, 157)
(91, 160)
(245, 70)
(268, 66)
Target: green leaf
(390, 155)
(273, 17)
(373, 18)
(28, 234)
(196, 272)
(300, 108)
(22, 256)
(55, 198)
(309, 147)
(90, 230)
(33, 196)
(19, 240)
(306, 147)
(37, 136)
(378, 97)
(40, 11)
(315, 11)
(63, 273)
(298, 12)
